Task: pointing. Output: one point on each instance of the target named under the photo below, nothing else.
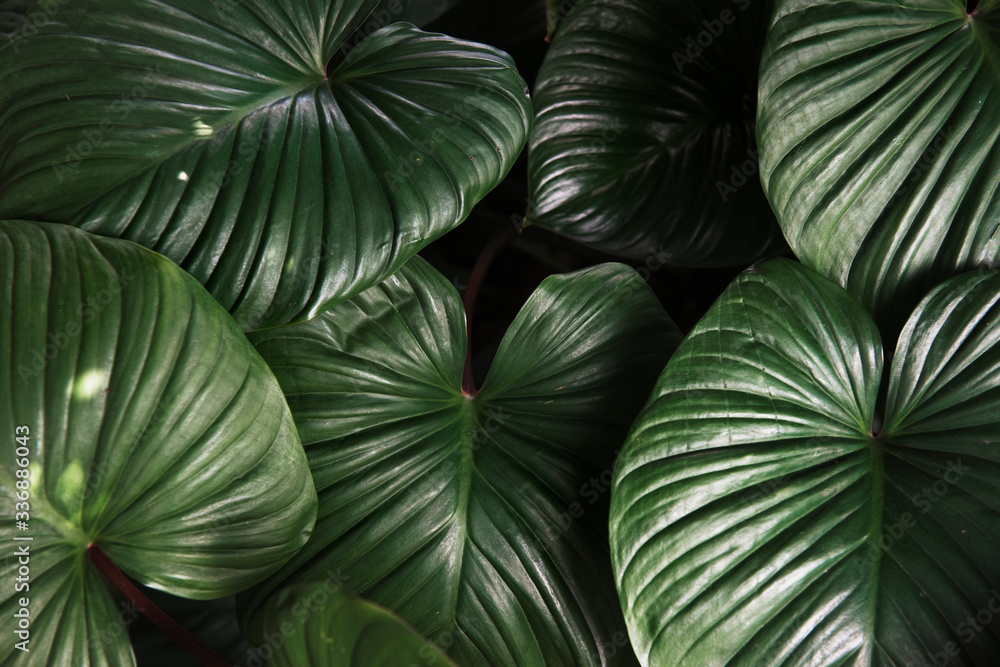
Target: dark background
(519, 28)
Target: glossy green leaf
(555, 12)
(479, 520)
(878, 129)
(643, 142)
(760, 514)
(211, 133)
(151, 428)
(322, 625)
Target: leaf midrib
(469, 420)
(877, 463)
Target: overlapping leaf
(152, 429)
(878, 129)
(643, 143)
(322, 625)
(217, 134)
(761, 516)
(478, 519)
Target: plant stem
(469, 301)
(172, 628)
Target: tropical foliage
(316, 347)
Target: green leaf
(151, 428)
(478, 519)
(878, 128)
(761, 516)
(643, 142)
(322, 625)
(555, 13)
(211, 133)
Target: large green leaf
(878, 129)
(322, 625)
(216, 134)
(760, 514)
(643, 143)
(478, 519)
(152, 429)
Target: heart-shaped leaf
(322, 625)
(643, 142)
(878, 129)
(478, 519)
(759, 513)
(136, 417)
(216, 134)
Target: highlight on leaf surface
(480, 520)
(283, 167)
(643, 140)
(775, 504)
(878, 128)
(140, 420)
